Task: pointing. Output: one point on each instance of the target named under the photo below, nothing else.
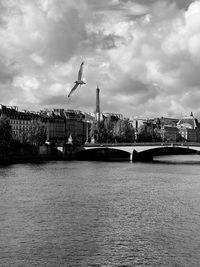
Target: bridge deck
(141, 147)
(144, 144)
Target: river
(83, 213)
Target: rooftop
(188, 122)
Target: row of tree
(115, 130)
(149, 133)
(109, 130)
(35, 135)
(112, 129)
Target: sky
(143, 54)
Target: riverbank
(70, 152)
(38, 154)
(30, 159)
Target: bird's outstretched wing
(80, 72)
(73, 89)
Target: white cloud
(37, 59)
(127, 47)
(30, 87)
(133, 8)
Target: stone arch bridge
(135, 151)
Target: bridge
(136, 151)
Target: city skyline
(144, 55)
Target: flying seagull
(79, 81)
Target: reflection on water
(100, 214)
(189, 159)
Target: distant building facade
(189, 129)
(55, 125)
(21, 122)
(111, 115)
(168, 128)
(59, 123)
(137, 122)
(169, 133)
(163, 128)
(168, 121)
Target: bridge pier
(142, 156)
(135, 152)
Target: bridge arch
(136, 151)
(170, 150)
(104, 154)
(150, 153)
(128, 149)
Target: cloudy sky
(143, 54)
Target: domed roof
(188, 122)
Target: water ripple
(99, 214)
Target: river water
(100, 214)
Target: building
(168, 128)
(189, 128)
(62, 124)
(55, 125)
(167, 121)
(137, 122)
(21, 122)
(169, 133)
(59, 124)
(162, 128)
(78, 125)
(112, 115)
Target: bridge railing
(143, 144)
